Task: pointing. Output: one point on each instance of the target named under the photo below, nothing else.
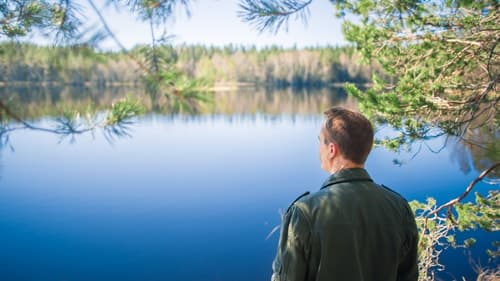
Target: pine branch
(272, 14)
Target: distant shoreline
(218, 86)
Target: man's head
(346, 139)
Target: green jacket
(351, 229)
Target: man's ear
(333, 150)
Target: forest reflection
(40, 102)
(478, 149)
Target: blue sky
(215, 22)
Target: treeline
(78, 65)
(275, 66)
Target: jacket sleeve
(408, 268)
(291, 262)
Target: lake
(187, 197)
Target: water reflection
(37, 102)
(279, 102)
(71, 111)
(479, 148)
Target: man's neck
(342, 164)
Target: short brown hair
(351, 131)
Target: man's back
(352, 229)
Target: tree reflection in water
(70, 111)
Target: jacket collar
(347, 175)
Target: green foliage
(163, 79)
(442, 58)
(68, 122)
(483, 213)
(156, 11)
(438, 231)
(443, 55)
(438, 226)
(495, 252)
(123, 110)
(59, 18)
(77, 64)
(278, 12)
(189, 93)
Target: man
(351, 229)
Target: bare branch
(467, 190)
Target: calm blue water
(182, 198)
